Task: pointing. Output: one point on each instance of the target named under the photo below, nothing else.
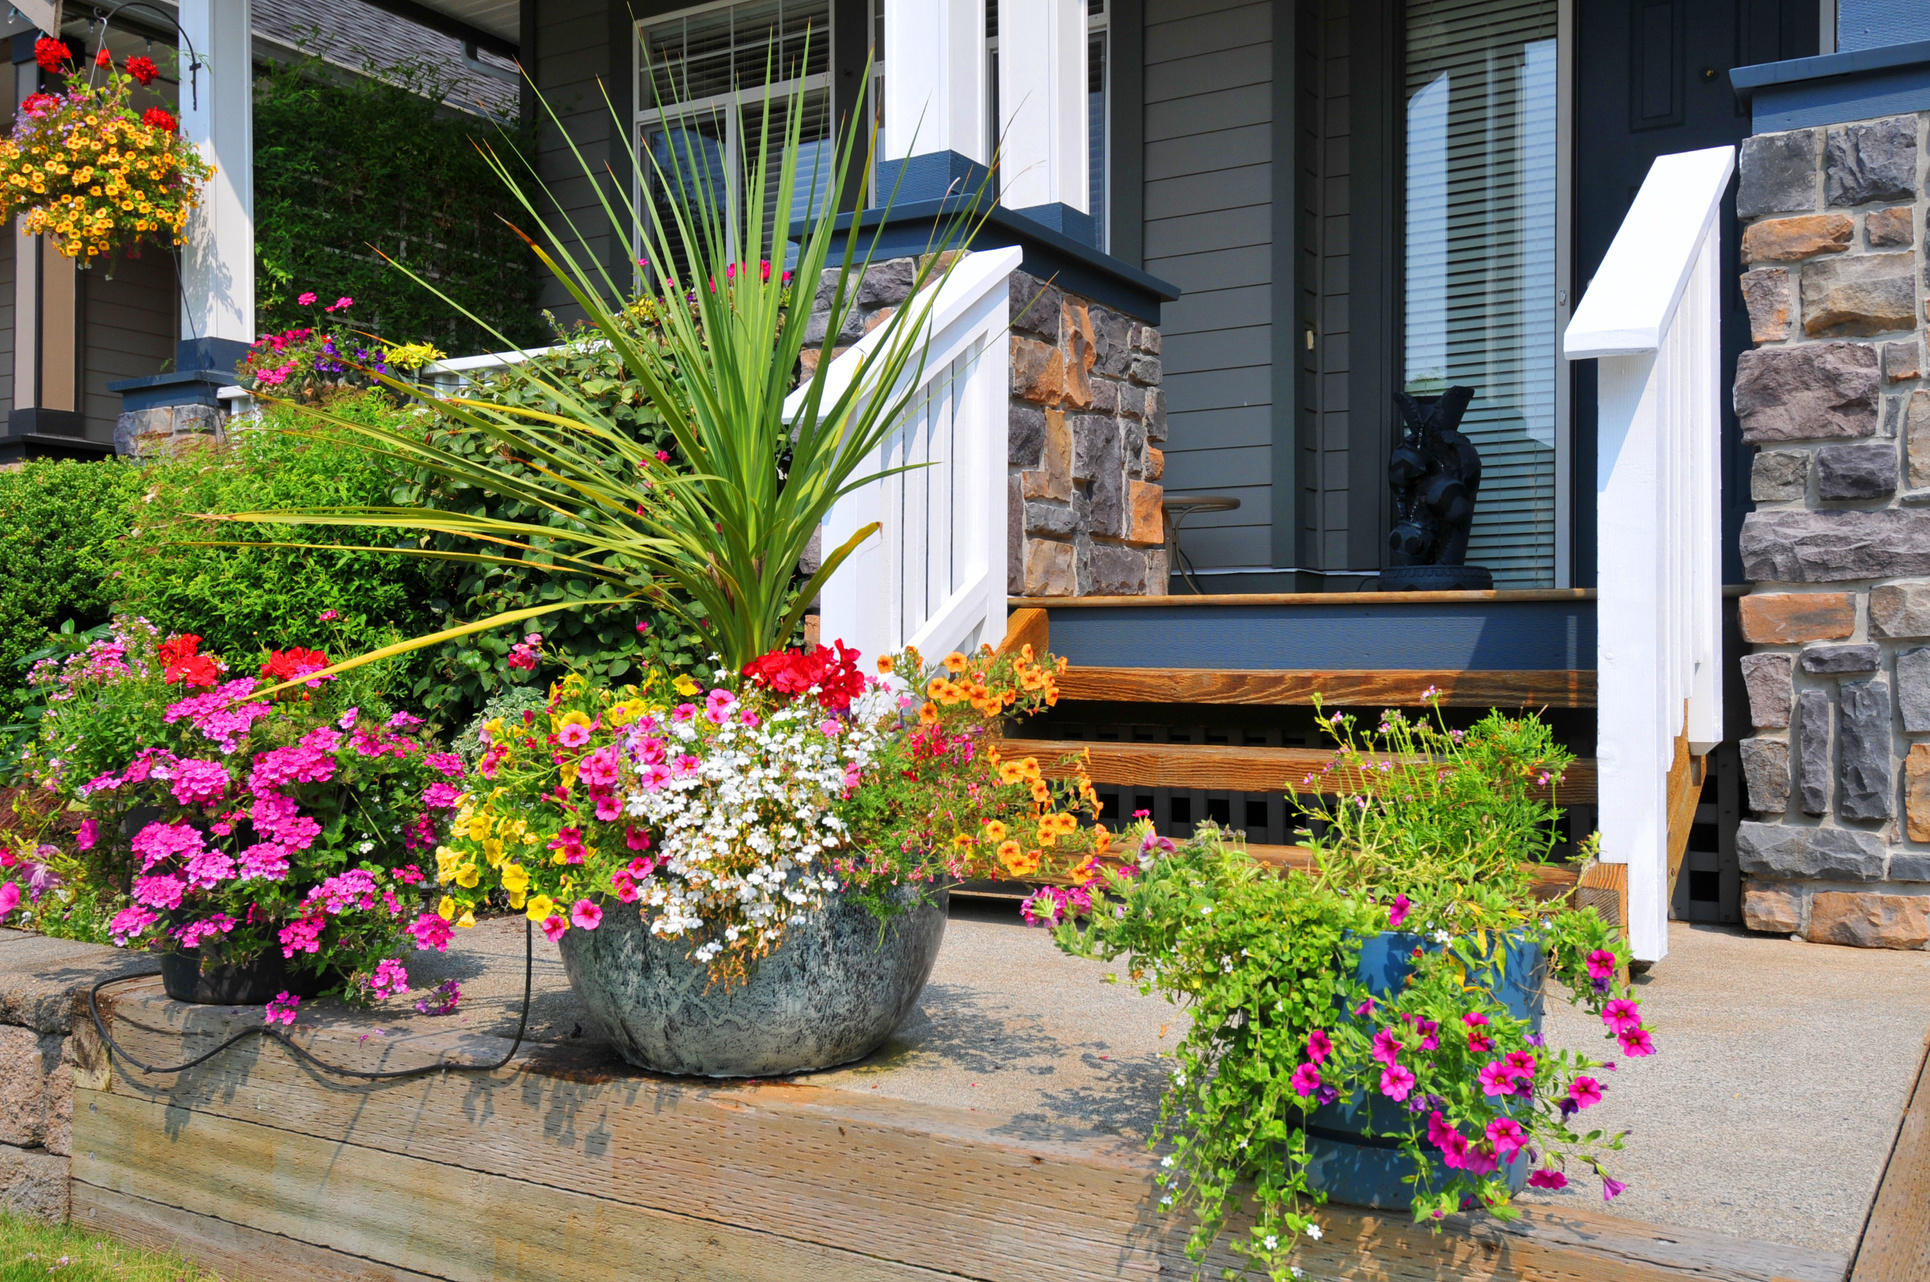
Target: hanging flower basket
(84, 167)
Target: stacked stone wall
(1837, 552)
(1087, 418)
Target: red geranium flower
(103, 58)
(175, 649)
(35, 103)
(293, 663)
(834, 673)
(142, 68)
(158, 118)
(52, 55)
(182, 662)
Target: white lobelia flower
(1313, 1231)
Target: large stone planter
(831, 992)
(1347, 1163)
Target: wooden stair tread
(1219, 767)
(1378, 688)
(1552, 881)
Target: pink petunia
(9, 898)
(1319, 1046)
(1601, 964)
(1547, 1179)
(90, 832)
(554, 926)
(686, 766)
(1386, 1046)
(650, 751)
(1585, 1091)
(683, 712)
(1621, 1015)
(1611, 1189)
(585, 915)
(573, 735)
(1636, 1042)
(1475, 1019)
(1521, 1064)
(1479, 1043)
(1306, 1080)
(1402, 906)
(1495, 1079)
(654, 777)
(1396, 1082)
(1507, 1137)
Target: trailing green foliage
(60, 522)
(345, 170)
(242, 601)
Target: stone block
(1913, 689)
(1767, 678)
(1132, 400)
(1916, 807)
(1856, 471)
(1833, 660)
(1812, 751)
(1024, 436)
(1810, 392)
(57, 1104)
(1117, 571)
(1890, 228)
(23, 1087)
(1871, 160)
(1866, 778)
(1767, 295)
(1035, 307)
(1147, 523)
(34, 1184)
(1038, 372)
(1794, 853)
(1905, 866)
(1146, 339)
(1079, 347)
(1053, 478)
(1155, 415)
(1051, 520)
(1875, 294)
(1145, 371)
(887, 284)
(1772, 907)
(1095, 445)
(1155, 463)
(1788, 240)
(1765, 767)
(1902, 360)
(1916, 437)
(1049, 568)
(1014, 536)
(1900, 609)
(1786, 618)
(1778, 174)
(1110, 517)
(1863, 919)
(1779, 475)
(1832, 547)
(1112, 335)
(1105, 396)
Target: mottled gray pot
(831, 992)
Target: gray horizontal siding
(1234, 425)
(128, 325)
(1209, 309)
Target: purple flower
(1611, 1189)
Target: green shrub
(59, 524)
(244, 600)
(344, 170)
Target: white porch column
(935, 78)
(217, 115)
(1042, 102)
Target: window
(1480, 257)
(702, 88)
(1098, 91)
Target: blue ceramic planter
(1353, 1167)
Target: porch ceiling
(497, 18)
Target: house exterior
(1244, 226)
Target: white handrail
(1652, 316)
(934, 574)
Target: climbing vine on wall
(345, 169)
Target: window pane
(1480, 262)
(686, 154)
(811, 188)
(1096, 133)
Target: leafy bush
(59, 524)
(344, 170)
(246, 600)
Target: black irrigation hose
(114, 1047)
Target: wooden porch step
(1552, 881)
(1218, 767)
(1346, 688)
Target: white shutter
(1480, 260)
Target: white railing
(934, 574)
(1652, 316)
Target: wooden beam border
(1380, 688)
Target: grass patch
(32, 1249)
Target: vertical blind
(1480, 257)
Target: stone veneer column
(1086, 421)
(1838, 548)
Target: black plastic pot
(254, 982)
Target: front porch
(999, 1135)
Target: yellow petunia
(684, 686)
(540, 908)
(467, 920)
(446, 909)
(467, 876)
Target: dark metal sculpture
(1436, 475)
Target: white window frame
(729, 106)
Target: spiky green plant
(719, 538)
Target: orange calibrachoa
(83, 167)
